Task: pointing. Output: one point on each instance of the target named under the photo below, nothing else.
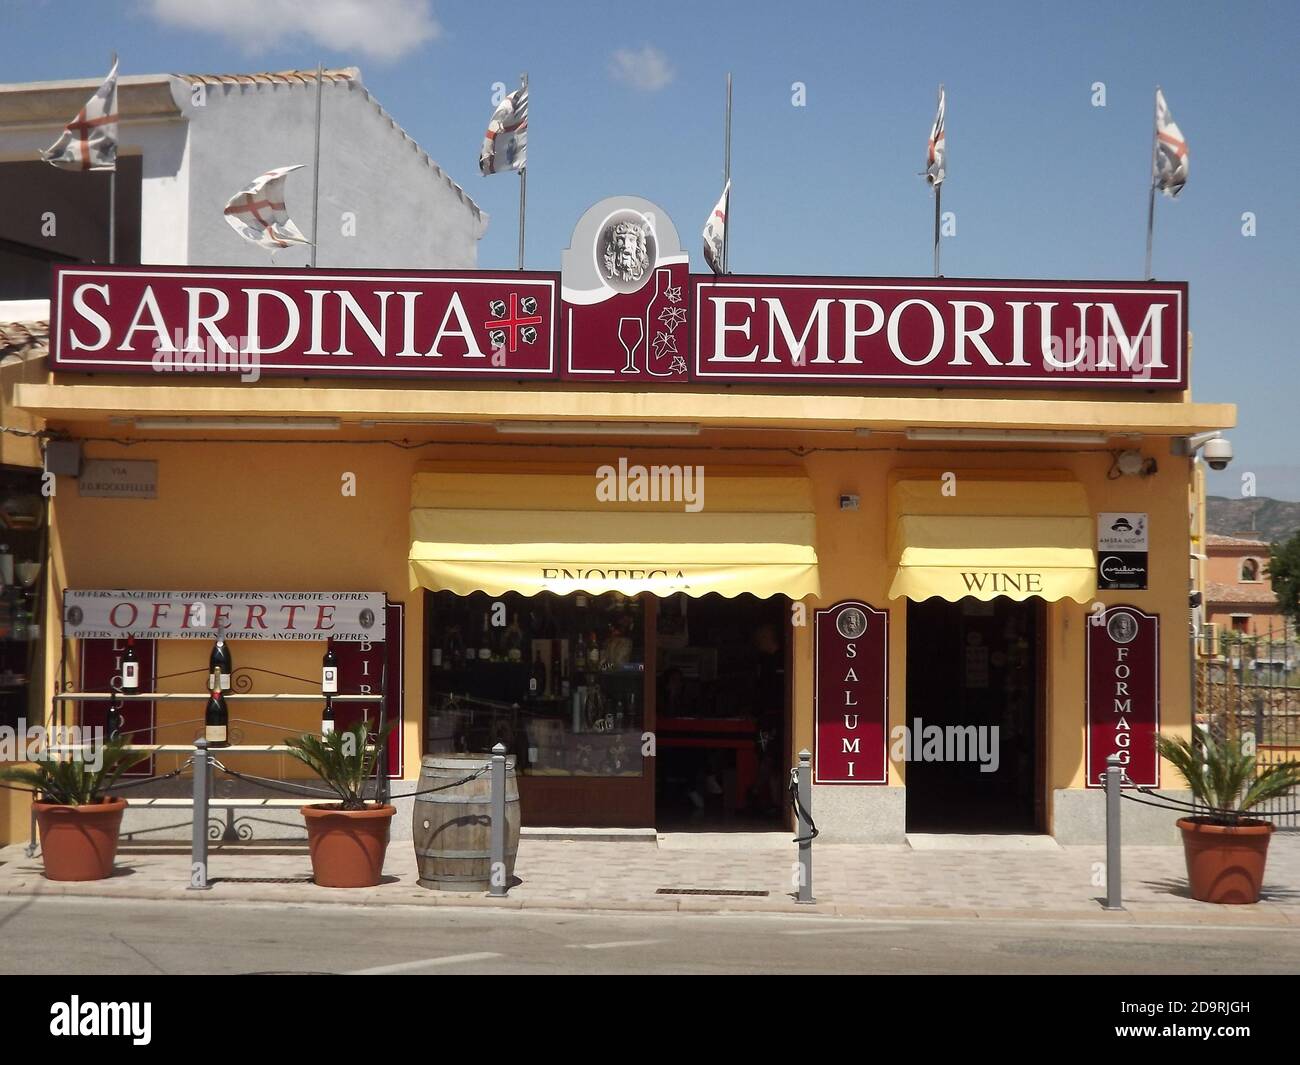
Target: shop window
(1249, 569)
(559, 680)
(22, 547)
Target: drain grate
(711, 891)
(260, 880)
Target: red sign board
(1123, 698)
(101, 671)
(175, 321)
(362, 668)
(663, 327)
(904, 331)
(851, 694)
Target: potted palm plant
(347, 838)
(77, 818)
(1225, 850)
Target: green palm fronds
(1225, 776)
(73, 781)
(345, 760)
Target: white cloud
(646, 68)
(377, 29)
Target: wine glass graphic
(631, 331)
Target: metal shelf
(178, 697)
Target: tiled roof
(1216, 540)
(1261, 593)
(20, 338)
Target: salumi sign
(659, 327)
(851, 694)
(1123, 698)
(348, 617)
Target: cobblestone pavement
(850, 880)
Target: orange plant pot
(347, 846)
(1225, 863)
(79, 842)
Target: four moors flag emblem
(89, 141)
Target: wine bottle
(114, 721)
(514, 641)
(130, 668)
(580, 654)
(593, 652)
(327, 716)
(553, 688)
(216, 720)
(219, 665)
(536, 677)
(485, 645)
(329, 671)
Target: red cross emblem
(511, 322)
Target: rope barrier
(1179, 805)
(149, 780)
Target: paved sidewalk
(1046, 882)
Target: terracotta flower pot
(1225, 863)
(79, 842)
(347, 846)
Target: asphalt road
(105, 936)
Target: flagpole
(938, 193)
(315, 170)
(523, 187)
(1151, 193)
(726, 184)
(112, 193)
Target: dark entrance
(974, 667)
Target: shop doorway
(722, 707)
(974, 716)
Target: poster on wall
(361, 671)
(851, 694)
(101, 671)
(1123, 695)
(1122, 544)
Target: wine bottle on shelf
(113, 723)
(485, 644)
(329, 671)
(514, 641)
(557, 664)
(219, 665)
(130, 668)
(580, 654)
(327, 716)
(216, 720)
(593, 652)
(537, 677)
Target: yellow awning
(533, 532)
(985, 537)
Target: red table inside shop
(716, 734)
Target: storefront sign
(851, 694)
(943, 332)
(118, 478)
(346, 617)
(1123, 695)
(625, 312)
(174, 321)
(1122, 542)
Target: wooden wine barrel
(453, 827)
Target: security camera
(1216, 448)
(1218, 453)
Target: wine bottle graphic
(663, 278)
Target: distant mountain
(1268, 519)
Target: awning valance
(535, 532)
(983, 537)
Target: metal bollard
(497, 870)
(803, 815)
(202, 767)
(1114, 779)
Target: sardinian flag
(714, 230)
(257, 212)
(89, 141)
(1170, 174)
(505, 145)
(936, 155)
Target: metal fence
(1250, 685)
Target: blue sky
(630, 100)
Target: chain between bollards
(498, 878)
(1114, 781)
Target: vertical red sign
(1123, 695)
(362, 671)
(101, 671)
(851, 694)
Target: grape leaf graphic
(663, 343)
(672, 317)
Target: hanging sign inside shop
(851, 694)
(625, 311)
(1123, 695)
(1122, 542)
(347, 617)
